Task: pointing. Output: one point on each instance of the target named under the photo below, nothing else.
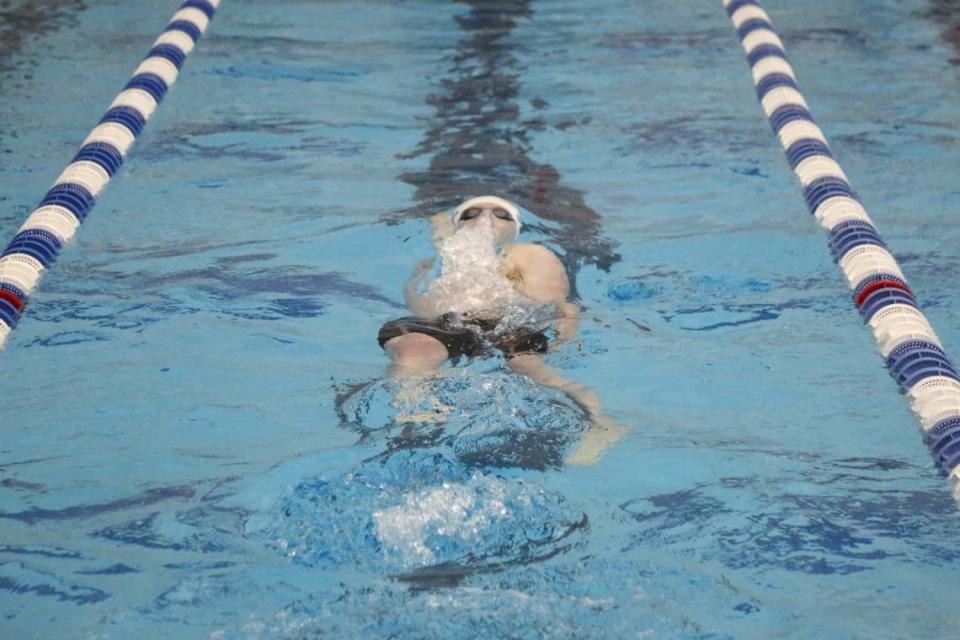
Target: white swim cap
(489, 201)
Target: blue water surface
(198, 439)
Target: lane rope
(907, 342)
(65, 206)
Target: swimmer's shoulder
(527, 253)
(536, 271)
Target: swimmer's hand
(602, 434)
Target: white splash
(460, 513)
(471, 281)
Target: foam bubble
(449, 515)
(417, 510)
(471, 280)
(487, 417)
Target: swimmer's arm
(442, 228)
(569, 320)
(603, 431)
(541, 276)
(418, 303)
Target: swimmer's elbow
(568, 310)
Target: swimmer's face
(502, 221)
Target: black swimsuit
(468, 336)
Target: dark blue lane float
(65, 206)
(908, 344)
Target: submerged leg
(413, 358)
(603, 431)
(415, 354)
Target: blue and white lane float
(911, 349)
(65, 206)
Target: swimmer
(460, 314)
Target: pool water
(198, 437)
